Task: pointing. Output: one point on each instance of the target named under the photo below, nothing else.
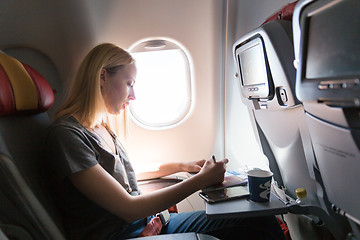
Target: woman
(95, 184)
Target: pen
(213, 158)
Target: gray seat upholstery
(327, 82)
(23, 215)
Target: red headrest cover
(285, 13)
(22, 88)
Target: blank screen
(333, 42)
(252, 66)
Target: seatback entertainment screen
(252, 68)
(333, 50)
(328, 52)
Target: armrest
(156, 184)
(180, 236)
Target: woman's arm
(104, 190)
(171, 168)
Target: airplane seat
(266, 75)
(327, 58)
(27, 210)
(267, 82)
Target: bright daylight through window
(163, 87)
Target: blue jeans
(261, 228)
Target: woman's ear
(102, 76)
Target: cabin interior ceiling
(64, 31)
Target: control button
(323, 86)
(355, 83)
(263, 106)
(335, 85)
(350, 85)
(255, 89)
(283, 95)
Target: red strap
(152, 228)
(285, 229)
(173, 209)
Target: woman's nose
(132, 95)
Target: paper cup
(259, 185)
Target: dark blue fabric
(262, 228)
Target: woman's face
(117, 88)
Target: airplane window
(163, 84)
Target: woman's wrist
(181, 167)
(198, 182)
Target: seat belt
(155, 225)
(152, 228)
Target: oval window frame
(159, 44)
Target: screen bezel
(325, 89)
(254, 91)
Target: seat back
(278, 114)
(27, 210)
(326, 40)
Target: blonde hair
(84, 97)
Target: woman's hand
(171, 168)
(192, 167)
(212, 172)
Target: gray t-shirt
(72, 148)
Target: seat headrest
(22, 89)
(285, 13)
